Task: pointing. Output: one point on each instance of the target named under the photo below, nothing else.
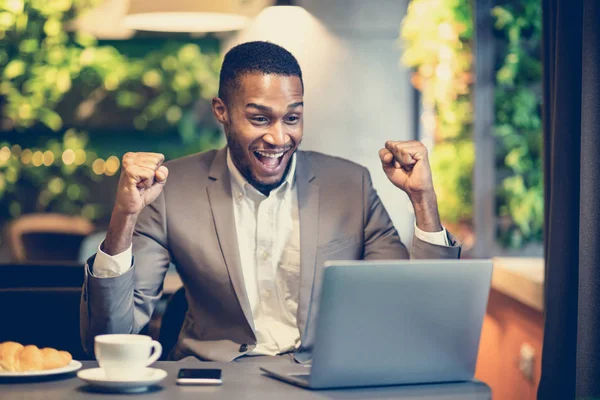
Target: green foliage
(452, 179)
(37, 179)
(518, 127)
(40, 63)
(43, 66)
(157, 88)
(436, 35)
(37, 64)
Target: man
(250, 226)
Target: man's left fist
(407, 166)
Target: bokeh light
(4, 155)
(26, 156)
(99, 166)
(48, 158)
(68, 157)
(74, 191)
(16, 150)
(14, 209)
(90, 211)
(37, 159)
(80, 156)
(112, 165)
(56, 185)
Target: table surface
(240, 381)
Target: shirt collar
(241, 185)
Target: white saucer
(96, 377)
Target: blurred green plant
(436, 36)
(57, 178)
(518, 127)
(42, 63)
(38, 59)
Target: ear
(220, 110)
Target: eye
(259, 119)
(293, 119)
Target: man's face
(263, 124)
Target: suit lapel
(221, 205)
(308, 208)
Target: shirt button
(244, 348)
(265, 255)
(267, 294)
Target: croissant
(14, 357)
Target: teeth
(270, 155)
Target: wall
(357, 95)
(507, 325)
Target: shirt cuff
(438, 238)
(106, 266)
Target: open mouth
(270, 160)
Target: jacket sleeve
(124, 303)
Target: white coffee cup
(125, 357)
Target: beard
(240, 157)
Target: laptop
(395, 322)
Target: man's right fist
(142, 179)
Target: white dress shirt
(268, 233)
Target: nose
(277, 136)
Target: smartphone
(199, 376)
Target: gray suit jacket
(192, 225)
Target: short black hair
(255, 57)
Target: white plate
(73, 366)
(96, 378)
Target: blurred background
(84, 81)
